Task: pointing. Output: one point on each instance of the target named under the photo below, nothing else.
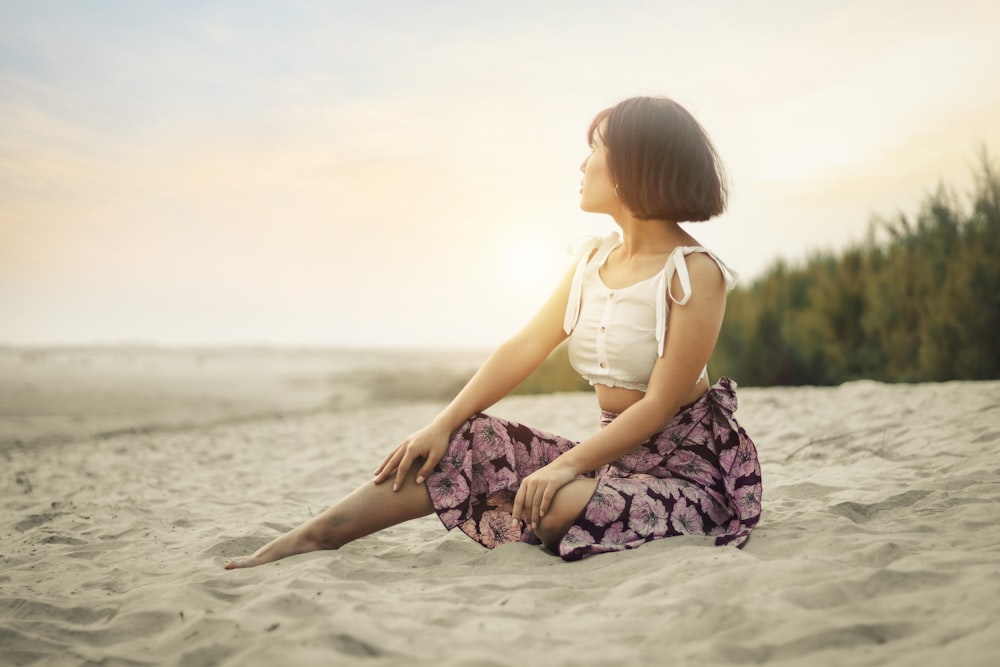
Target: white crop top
(616, 335)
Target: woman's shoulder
(693, 269)
(587, 248)
(589, 244)
(705, 266)
(705, 271)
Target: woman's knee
(566, 506)
(551, 532)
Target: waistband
(722, 394)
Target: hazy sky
(406, 173)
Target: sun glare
(527, 264)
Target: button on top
(611, 295)
(602, 330)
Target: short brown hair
(661, 160)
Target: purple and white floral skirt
(699, 476)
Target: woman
(669, 459)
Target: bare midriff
(618, 399)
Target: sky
(406, 173)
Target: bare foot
(294, 542)
(369, 508)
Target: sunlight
(527, 263)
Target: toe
(237, 563)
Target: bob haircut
(661, 160)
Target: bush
(922, 305)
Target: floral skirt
(698, 476)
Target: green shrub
(922, 305)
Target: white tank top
(616, 335)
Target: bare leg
(566, 506)
(368, 509)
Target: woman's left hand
(535, 494)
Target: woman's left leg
(368, 509)
(566, 506)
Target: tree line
(918, 300)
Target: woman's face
(597, 191)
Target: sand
(878, 544)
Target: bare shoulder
(707, 280)
(705, 270)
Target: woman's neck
(649, 237)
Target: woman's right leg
(368, 509)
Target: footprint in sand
(863, 512)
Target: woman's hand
(535, 494)
(429, 443)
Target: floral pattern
(699, 476)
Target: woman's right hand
(429, 443)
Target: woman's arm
(691, 336)
(506, 368)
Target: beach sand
(878, 544)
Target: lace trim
(626, 384)
(612, 382)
